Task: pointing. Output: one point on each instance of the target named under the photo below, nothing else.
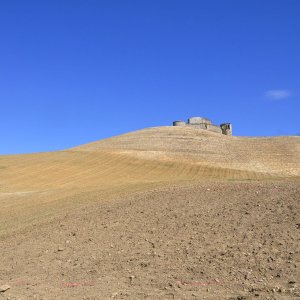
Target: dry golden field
(160, 213)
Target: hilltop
(276, 155)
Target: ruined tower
(226, 128)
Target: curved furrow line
(152, 169)
(95, 175)
(195, 171)
(38, 171)
(96, 163)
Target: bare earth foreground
(161, 213)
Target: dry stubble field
(161, 213)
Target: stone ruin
(203, 123)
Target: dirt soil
(200, 240)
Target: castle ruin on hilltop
(203, 123)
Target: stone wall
(199, 120)
(214, 128)
(209, 127)
(179, 123)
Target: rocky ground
(206, 240)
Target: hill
(164, 212)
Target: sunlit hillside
(136, 160)
(149, 214)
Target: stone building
(204, 123)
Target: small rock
(4, 288)
(131, 277)
(114, 295)
(60, 248)
(292, 281)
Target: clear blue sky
(72, 72)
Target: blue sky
(72, 72)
